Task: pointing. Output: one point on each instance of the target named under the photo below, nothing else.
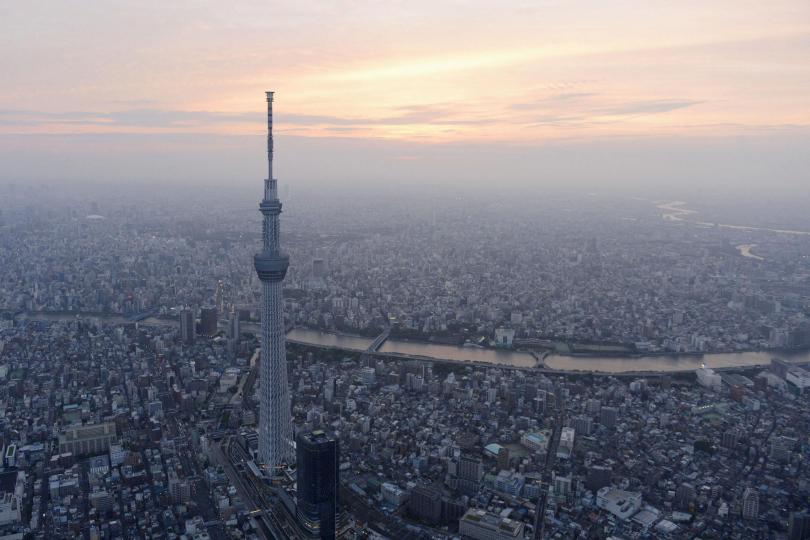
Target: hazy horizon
(641, 97)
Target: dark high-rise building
(799, 526)
(234, 328)
(685, 495)
(781, 448)
(593, 406)
(187, 325)
(730, 437)
(608, 416)
(598, 477)
(452, 509)
(425, 505)
(503, 458)
(234, 334)
(318, 481)
(779, 367)
(470, 471)
(208, 321)
(583, 425)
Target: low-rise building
(620, 503)
(481, 525)
(12, 485)
(88, 439)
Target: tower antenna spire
(270, 192)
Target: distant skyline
(416, 86)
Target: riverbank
(655, 363)
(540, 368)
(436, 352)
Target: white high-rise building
(368, 376)
(566, 446)
(708, 378)
(750, 504)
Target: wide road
(551, 455)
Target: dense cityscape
(612, 275)
(168, 428)
(129, 351)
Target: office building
(187, 325)
(234, 327)
(180, 490)
(620, 503)
(368, 376)
(509, 482)
(598, 477)
(470, 468)
(318, 485)
(798, 378)
(799, 526)
(566, 446)
(608, 416)
(425, 505)
(469, 472)
(750, 504)
(583, 425)
(781, 448)
(730, 437)
(208, 321)
(87, 440)
(562, 486)
(504, 337)
(503, 458)
(392, 494)
(452, 509)
(102, 501)
(685, 495)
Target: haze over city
(451, 270)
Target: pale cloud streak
(407, 116)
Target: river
(745, 251)
(459, 354)
(437, 351)
(604, 364)
(676, 211)
(618, 364)
(306, 336)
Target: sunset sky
(409, 76)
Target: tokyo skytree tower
(275, 425)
